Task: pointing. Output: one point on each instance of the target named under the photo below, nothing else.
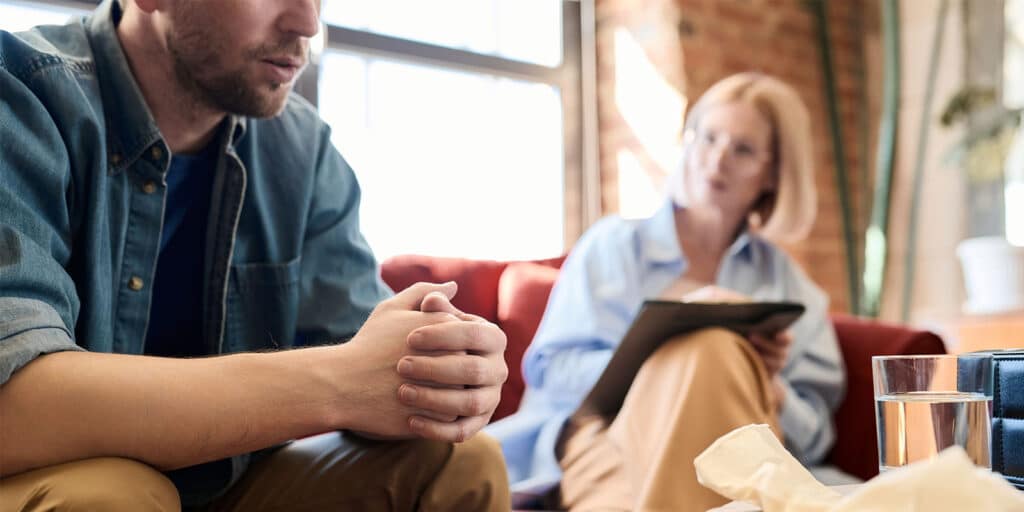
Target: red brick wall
(697, 42)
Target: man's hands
(424, 368)
(460, 373)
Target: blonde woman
(744, 185)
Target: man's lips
(286, 61)
(282, 69)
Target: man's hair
(788, 214)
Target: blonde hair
(787, 214)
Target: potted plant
(991, 153)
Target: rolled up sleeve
(28, 329)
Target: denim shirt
(82, 192)
(614, 267)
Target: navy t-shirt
(175, 318)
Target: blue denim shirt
(82, 191)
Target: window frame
(575, 77)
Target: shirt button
(135, 283)
(149, 187)
(115, 159)
(157, 153)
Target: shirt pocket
(262, 306)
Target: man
(163, 196)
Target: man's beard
(198, 68)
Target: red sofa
(513, 296)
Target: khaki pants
(691, 391)
(330, 472)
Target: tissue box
(1008, 415)
(1005, 370)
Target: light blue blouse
(614, 267)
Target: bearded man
(189, 314)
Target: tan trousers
(330, 472)
(692, 390)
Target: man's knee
(480, 457)
(483, 453)
(474, 478)
(108, 483)
(425, 452)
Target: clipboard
(660, 320)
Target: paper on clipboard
(660, 320)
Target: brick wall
(694, 43)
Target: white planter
(993, 275)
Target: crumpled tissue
(750, 464)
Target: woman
(745, 184)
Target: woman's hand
(774, 350)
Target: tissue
(750, 464)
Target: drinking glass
(926, 403)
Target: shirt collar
(237, 126)
(131, 127)
(660, 244)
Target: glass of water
(925, 404)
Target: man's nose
(301, 17)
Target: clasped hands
(427, 369)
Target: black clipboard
(660, 320)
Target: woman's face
(729, 165)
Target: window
(524, 30)
(17, 15)
(463, 164)
(454, 115)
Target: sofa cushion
(477, 279)
(523, 292)
(856, 448)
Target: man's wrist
(318, 383)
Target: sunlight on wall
(653, 110)
(639, 196)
